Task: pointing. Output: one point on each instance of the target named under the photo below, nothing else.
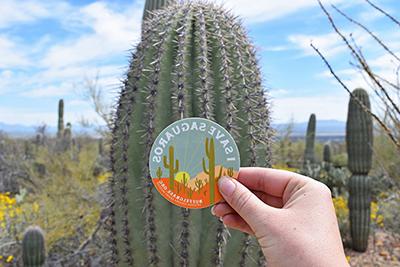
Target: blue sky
(49, 48)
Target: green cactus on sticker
(210, 153)
(159, 173)
(230, 172)
(172, 165)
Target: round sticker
(187, 159)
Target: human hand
(292, 216)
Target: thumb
(243, 201)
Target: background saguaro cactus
(33, 247)
(60, 125)
(194, 60)
(309, 154)
(327, 157)
(359, 138)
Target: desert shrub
(335, 178)
(389, 207)
(64, 201)
(378, 218)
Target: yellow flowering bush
(65, 202)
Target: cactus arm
(206, 171)
(176, 166)
(219, 174)
(165, 162)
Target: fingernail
(226, 186)
(212, 210)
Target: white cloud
(11, 55)
(326, 107)
(13, 11)
(329, 44)
(28, 11)
(259, 11)
(112, 33)
(49, 91)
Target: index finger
(270, 181)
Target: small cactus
(33, 247)
(327, 154)
(230, 172)
(309, 156)
(67, 137)
(159, 173)
(60, 127)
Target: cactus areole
(189, 152)
(193, 60)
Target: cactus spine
(359, 138)
(172, 165)
(194, 60)
(309, 156)
(33, 247)
(60, 127)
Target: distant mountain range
(325, 129)
(25, 131)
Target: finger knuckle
(324, 189)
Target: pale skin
(292, 216)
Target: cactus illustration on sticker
(210, 152)
(172, 166)
(188, 158)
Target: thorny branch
(391, 128)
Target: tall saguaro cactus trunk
(309, 154)
(194, 60)
(33, 247)
(60, 125)
(359, 138)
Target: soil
(383, 250)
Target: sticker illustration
(187, 159)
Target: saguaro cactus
(309, 156)
(67, 137)
(172, 165)
(327, 153)
(33, 247)
(359, 138)
(60, 127)
(212, 178)
(153, 5)
(194, 60)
